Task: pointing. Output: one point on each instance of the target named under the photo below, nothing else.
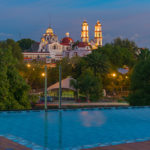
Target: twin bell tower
(97, 33)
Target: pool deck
(128, 146)
(6, 144)
(84, 105)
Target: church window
(55, 47)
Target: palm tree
(97, 62)
(74, 84)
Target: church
(55, 50)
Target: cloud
(129, 19)
(134, 37)
(5, 34)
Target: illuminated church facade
(56, 49)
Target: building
(85, 32)
(30, 56)
(67, 90)
(50, 44)
(98, 34)
(51, 49)
(67, 42)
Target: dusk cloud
(30, 18)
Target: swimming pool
(78, 128)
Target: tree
(33, 75)
(140, 84)
(117, 56)
(144, 54)
(25, 44)
(90, 85)
(125, 43)
(97, 62)
(75, 85)
(13, 88)
(15, 49)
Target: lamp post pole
(45, 87)
(59, 86)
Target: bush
(33, 99)
(140, 84)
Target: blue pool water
(76, 128)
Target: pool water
(67, 129)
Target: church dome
(67, 40)
(49, 31)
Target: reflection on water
(46, 130)
(92, 118)
(55, 136)
(60, 129)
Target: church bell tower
(85, 32)
(98, 34)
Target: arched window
(55, 47)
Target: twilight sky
(119, 18)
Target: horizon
(30, 19)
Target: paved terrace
(128, 146)
(6, 144)
(83, 105)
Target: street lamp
(45, 91)
(28, 65)
(114, 75)
(43, 74)
(60, 91)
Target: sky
(119, 18)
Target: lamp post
(59, 86)
(114, 76)
(28, 65)
(45, 87)
(45, 90)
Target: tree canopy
(13, 88)
(25, 44)
(14, 47)
(90, 85)
(140, 84)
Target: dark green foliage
(78, 67)
(13, 89)
(14, 47)
(97, 62)
(144, 54)
(140, 84)
(53, 73)
(118, 56)
(75, 85)
(33, 75)
(90, 85)
(125, 43)
(33, 99)
(25, 44)
(75, 44)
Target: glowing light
(43, 74)
(28, 65)
(114, 75)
